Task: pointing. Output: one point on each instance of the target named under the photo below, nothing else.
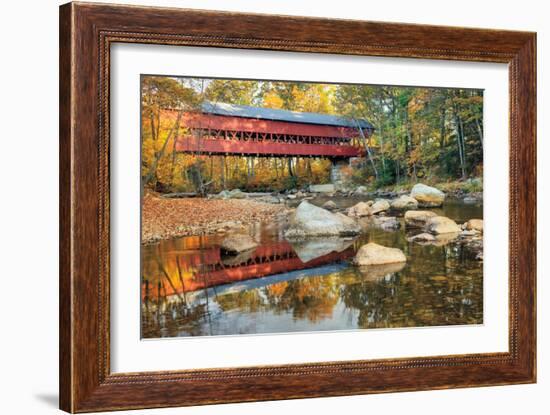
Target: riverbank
(457, 189)
(170, 218)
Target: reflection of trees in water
(310, 298)
(313, 298)
(164, 318)
(401, 301)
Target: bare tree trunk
(442, 116)
(459, 144)
(153, 131)
(365, 141)
(222, 171)
(480, 133)
(289, 164)
(173, 132)
(462, 142)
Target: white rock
(310, 220)
(427, 196)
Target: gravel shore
(170, 218)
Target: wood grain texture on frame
(86, 33)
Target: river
(190, 289)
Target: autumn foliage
(421, 133)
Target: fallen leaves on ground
(170, 218)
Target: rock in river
(418, 218)
(387, 223)
(442, 224)
(380, 205)
(330, 205)
(470, 200)
(361, 190)
(374, 254)
(360, 210)
(474, 225)
(235, 244)
(310, 220)
(427, 196)
(404, 203)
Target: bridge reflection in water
(196, 269)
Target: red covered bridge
(226, 129)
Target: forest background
(433, 135)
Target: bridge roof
(245, 111)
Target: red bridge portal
(225, 129)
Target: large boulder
(404, 203)
(322, 188)
(380, 205)
(441, 224)
(418, 218)
(374, 254)
(235, 244)
(310, 220)
(474, 225)
(360, 210)
(427, 196)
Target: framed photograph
(260, 207)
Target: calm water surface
(190, 289)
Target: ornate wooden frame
(86, 33)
